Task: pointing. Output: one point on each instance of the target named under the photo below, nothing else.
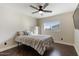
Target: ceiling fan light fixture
(41, 9)
(40, 12)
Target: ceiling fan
(40, 9)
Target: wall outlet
(61, 38)
(5, 43)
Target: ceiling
(57, 8)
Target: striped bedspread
(38, 42)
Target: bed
(39, 42)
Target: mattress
(38, 42)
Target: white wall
(67, 27)
(76, 41)
(11, 21)
(28, 22)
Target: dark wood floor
(57, 50)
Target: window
(51, 25)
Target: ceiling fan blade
(34, 7)
(47, 11)
(45, 5)
(35, 12)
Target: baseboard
(9, 47)
(64, 43)
(76, 49)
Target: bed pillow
(26, 33)
(19, 33)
